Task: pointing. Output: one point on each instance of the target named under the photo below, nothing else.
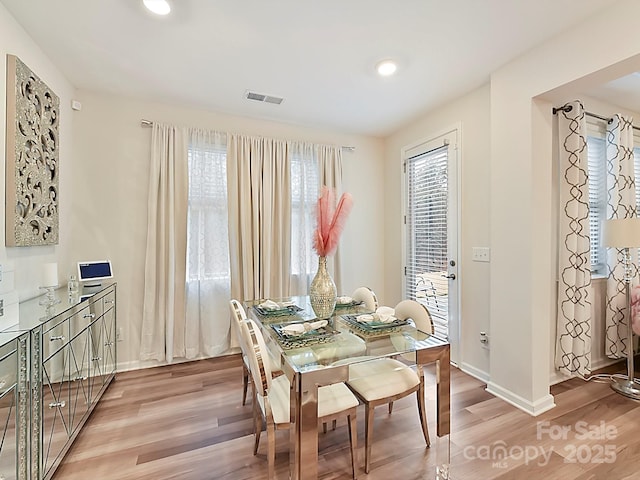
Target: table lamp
(624, 233)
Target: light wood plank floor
(185, 422)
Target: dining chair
(272, 400)
(384, 380)
(366, 295)
(239, 316)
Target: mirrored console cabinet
(55, 365)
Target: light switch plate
(481, 254)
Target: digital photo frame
(92, 273)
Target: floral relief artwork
(32, 156)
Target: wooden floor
(185, 422)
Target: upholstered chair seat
(272, 399)
(383, 380)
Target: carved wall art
(31, 158)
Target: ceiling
(318, 55)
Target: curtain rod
(149, 124)
(568, 108)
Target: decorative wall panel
(32, 155)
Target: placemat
(312, 337)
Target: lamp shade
(622, 233)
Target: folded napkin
(344, 300)
(385, 314)
(365, 318)
(269, 305)
(294, 329)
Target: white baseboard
(475, 372)
(604, 362)
(532, 408)
(142, 364)
(556, 377)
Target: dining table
(322, 355)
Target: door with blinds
(431, 220)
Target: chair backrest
(366, 295)
(239, 316)
(417, 312)
(237, 310)
(258, 366)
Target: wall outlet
(119, 335)
(484, 340)
(481, 254)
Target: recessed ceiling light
(386, 68)
(159, 7)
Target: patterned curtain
(575, 295)
(621, 203)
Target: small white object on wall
(50, 275)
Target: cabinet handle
(89, 315)
(79, 378)
(108, 344)
(59, 337)
(57, 404)
(108, 301)
(96, 359)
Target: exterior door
(431, 239)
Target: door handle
(452, 276)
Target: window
(427, 218)
(304, 196)
(207, 228)
(597, 162)
(596, 154)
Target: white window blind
(597, 161)
(596, 155)
(427, 224)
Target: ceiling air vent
(261, 97)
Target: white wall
(507, 200)
(472, 111)
(599, 358)
(522, 241)
(27, 261)
(110, 179)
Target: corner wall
(522, 240)
(27, 262)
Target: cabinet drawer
(54, 338)
(103, 304)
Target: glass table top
(293, 332)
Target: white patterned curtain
(575, 295)
(621, 203)
(305, 189)
(208, 275)
(164, 312)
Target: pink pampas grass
(330, 222)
